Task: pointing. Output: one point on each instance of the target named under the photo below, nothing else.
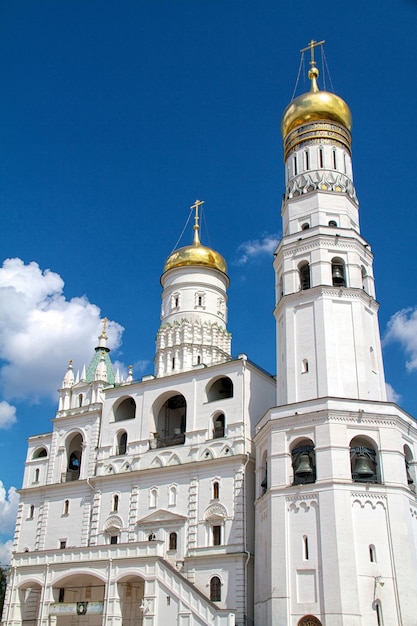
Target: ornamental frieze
(320, 181)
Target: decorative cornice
(348, 293)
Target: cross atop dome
(195, 206)
(313, 44)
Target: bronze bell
(363, 466)
(338, 276)
(303, 466)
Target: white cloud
(8, 509)
(40, 331)
(256, 247)
(402, 328)
(7, 414)
(392, 395)
(6, 552)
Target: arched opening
(29, 600)
(216, 490)
(220, 389)
(66, 508)
(36, 477)
(125, 410)
(171, 422)
(80, 400)
(372, 554)
(304, 462)
(40, 453)
(264, 474)
(363, 461)
(173, 541)
(77, 592)
(215, 589)
(305, 226)
(309, 620)
(410, 468)
(121, 442)
(218, 426)
(304, 273)
(131, 594)
(74, 455)
(333, 224)
(115, 503)
(338, 273)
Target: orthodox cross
(195, 206)
(313, 44)
(103, 334)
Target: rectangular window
(113, 539)
(63, 544)
(217, 535)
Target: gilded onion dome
(196, 254)
(320, 107)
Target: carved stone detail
(323, 180)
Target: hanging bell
(363, 467)
(338, 275)
(303, 466)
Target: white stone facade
(212, 493)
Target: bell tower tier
(194, 309)
(328, 341)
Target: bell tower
(328, 341)
(335, 505)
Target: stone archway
(78, 600)
(131, 594)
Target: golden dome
(196, 254)
(315, 105)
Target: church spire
(101, 359)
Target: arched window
(31, 511)
(153, 497)
(115, 504)
(307, 159)
(218, 430)
(66, 507)
(304, 463)
(304, 366)
(80, 400)
(152, 537)
(409, 468)
(363, 461)
(216, 490)
(321, 158)
(295, 165)
(372, 554)
(74, 455)
(304, 271)
(305, 548)
(221, 388)
(172, 495)
(334, 160)
(40, 453)
(215, 589)
(305, 226)
(122, 442)
(36, 478)
(338, 273)
(333, 224)
(125, 410)
(171, 422)
(264, 474)
(173, 541)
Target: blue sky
(116, 116)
